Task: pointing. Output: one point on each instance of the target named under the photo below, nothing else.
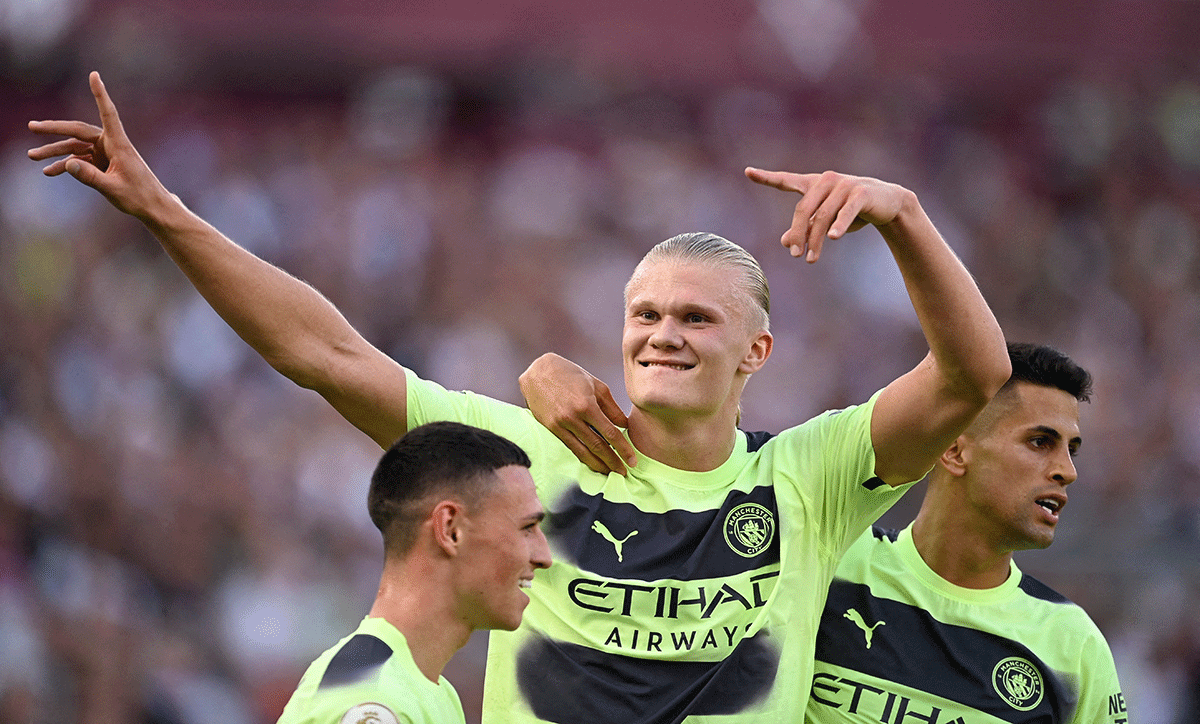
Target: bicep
(915, 420)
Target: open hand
(100, 156)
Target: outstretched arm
(921, 413)
(580, 410)
(299, 332)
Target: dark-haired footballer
(935, 622)
(460, 523)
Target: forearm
(966, 343)
(295, 329)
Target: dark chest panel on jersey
(904, 644)
(568, 684)
(618, 540)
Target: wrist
(909, 218)
(164, 212)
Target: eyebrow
(677, 307)
(1054, 433)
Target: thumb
(85, 173)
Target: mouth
(668, 365)
(525, 583)
(1052, 505)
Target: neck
(694, 444)
(422, 613)
(956, 550)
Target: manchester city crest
(749, 529)
(1018, 682)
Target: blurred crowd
(182, 530)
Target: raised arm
(299, 332)
(920, 414)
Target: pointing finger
(108, 111)
(782, 180)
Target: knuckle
(576, 407)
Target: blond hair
(707, 247)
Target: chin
(1040, 541)
(513, 621)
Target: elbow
(986, 381)
(999, 374)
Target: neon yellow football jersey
(675, 595)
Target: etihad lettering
(665, 601)
(888, 707)
(633, 639)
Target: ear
(957, 457)
(447, 521)
(756, 356)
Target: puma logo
(617, 544)
(857, 619)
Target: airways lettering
(633, 639)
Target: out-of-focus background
(182, 530)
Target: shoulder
(430, 402)
(868, 545)
(1036, 589)
(356, 660)
(1070, 619)
(838, 430)
(367, 678)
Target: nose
(1064, 469)
(666, 335)
(539, 554)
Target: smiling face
(690, 339)
(502, 546)
(1018, 464)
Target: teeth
(1049, 505)
(525, 583)
(661, 364)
